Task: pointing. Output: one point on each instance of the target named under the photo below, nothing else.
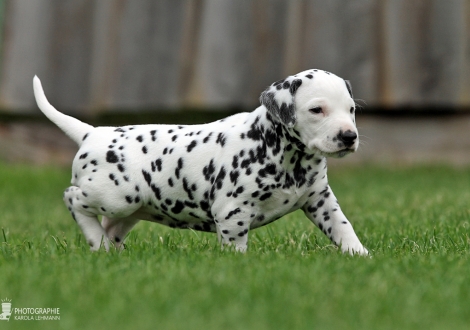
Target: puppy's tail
(74, 128)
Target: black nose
(347, 137)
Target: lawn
(414, 221)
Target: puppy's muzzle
(348, 138)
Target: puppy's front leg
(324, 211)
(233, 227)
(117, 229)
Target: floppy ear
(348, 86)
(279, 100)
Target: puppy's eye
(316, 110)
(351, 110)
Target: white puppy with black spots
(229, 176)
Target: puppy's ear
(348, 86)
(279, 100)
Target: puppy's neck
(282, 145)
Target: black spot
(111, 157)
(156, 191)
(179, 206)
(144, 150)
(178, 169)
(187, 189)
(94, 162)
(174, 137)
(239, 190)
(158, 164)
(221, 139)
(83, 156)
(147, 177)
(85, 136)
(140, 138)
(191, 146)
(128, 199)
(232, 213)
(234, 176)
(207, 138)
(121, 168)
(254, 133)
(190, 204)
(243, 233)
(235, 161)
(208, 170)
(204, 205)
(170, 182)
(220, 178)
(309, 76)
(265, 196)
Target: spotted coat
(228, 177)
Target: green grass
(415, 221)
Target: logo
(6, 310)
(28, 313)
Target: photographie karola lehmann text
(36, 314)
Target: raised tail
(74, 128)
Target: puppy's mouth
(326, 151)
(337, 154)
(341, 153)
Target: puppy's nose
(348, 137)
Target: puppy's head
(320, 107)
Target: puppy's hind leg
(86, 219)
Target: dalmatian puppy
(228, 177)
